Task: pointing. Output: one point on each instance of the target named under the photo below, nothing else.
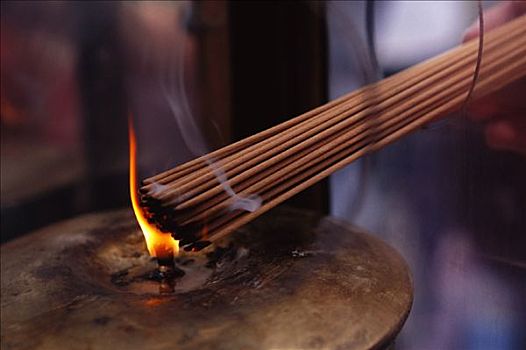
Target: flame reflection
(160, 244)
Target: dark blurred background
(195, 76)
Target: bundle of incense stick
(191, 202)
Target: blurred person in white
(449, 200)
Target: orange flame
(160, 244)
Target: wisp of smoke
(172, 82)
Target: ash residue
(163, 274)
(158, 274)
(248, 260)
(298, 253)
(223, 255)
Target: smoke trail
(175, 94)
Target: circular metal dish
(290, 280)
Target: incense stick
(288, 158)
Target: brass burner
(290, 280)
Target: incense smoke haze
(172, 82)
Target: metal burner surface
(290, 280)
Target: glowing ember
(160, 244)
